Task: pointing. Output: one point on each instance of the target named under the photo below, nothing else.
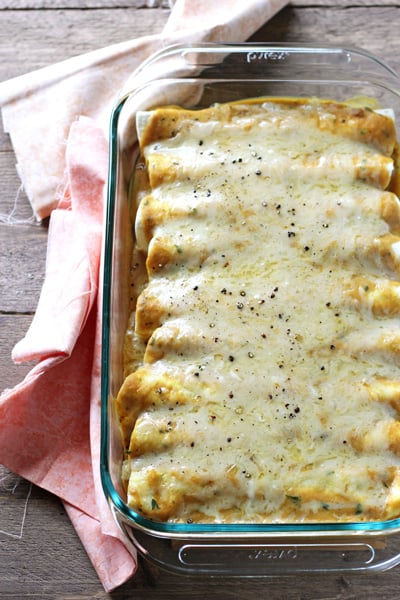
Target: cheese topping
(263, 354)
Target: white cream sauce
(261, 330)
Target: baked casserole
(262, 356)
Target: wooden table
(40, 554)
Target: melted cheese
(263, 355)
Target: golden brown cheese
(263, 352)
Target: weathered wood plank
(22, 259)
(45, 37)
(34, 524)
(345, 3)
(14, 204)
(12, 329)
(150, 4)
(84, 4)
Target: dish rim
(385, 77)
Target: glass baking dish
(195, 77)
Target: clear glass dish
(197, 76)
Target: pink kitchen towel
(50, 422)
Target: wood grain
(46, 560)
(151, 4)
(84, 4)
(44, 37)
(12, 329)
(21, 262)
